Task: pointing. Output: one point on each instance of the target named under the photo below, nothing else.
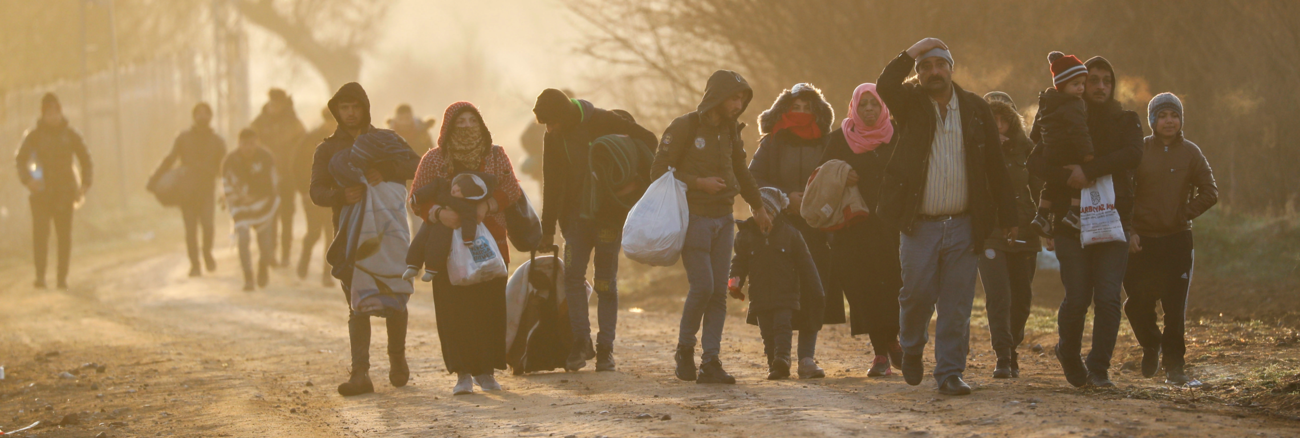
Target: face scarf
(467, 148)
(800, 124)
(863, 137)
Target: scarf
(862, 137)
(800, 124)
(466, 148)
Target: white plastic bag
(479, 262)
(1097, 213)
(656, 226)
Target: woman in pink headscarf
(865, 253)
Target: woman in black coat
(865, 252)
(791, 148)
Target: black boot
(1176, 375)
(1100, 379)
(685, 362)
(913, 369)
(712, 372)
(578, 354)
(1003, 369)
(357, 385)
(954, 385)
(604, 358)
(1015, 364)
(1075, 372)
(777, 370)
(398, 373)
(1150, 362)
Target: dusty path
(198, 357)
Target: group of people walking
(894, 209)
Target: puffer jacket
(778, 267)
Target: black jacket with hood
(699, 150)
(325, 190)
(199, 150)
(990, 201)
(1061, 126)
(564, 159)
(785, 160)
(52, 147)
(778, 268)
(1117, 142)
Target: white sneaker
(464, 384)
(488, 382)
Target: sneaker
(488, 382)
(428, 276)
(410, 273)
(880, 367)
(1150, 362)
(1075, 372)
(777, 370)
(398, 373)
(1043, 224)
(1003, 369)
(685, 358)
(1100, 379)
(712, 372)
(808, 369)
(577, 354)
(358, 384)
(604, 358)
(464, 384)
(1072, 220)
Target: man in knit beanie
(554, 108)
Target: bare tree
(329, 34)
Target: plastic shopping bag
(475, 263)
(656, 226)
(1098, 215)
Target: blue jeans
(1091, 276)
(581, 238)
(707, 259)
(938, 271)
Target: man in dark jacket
(946, 189)
(44, 164)
(280, 131)
(571, 126)
(351, 108)
(200, 151)
(1093, 275)
(708, 154)
(318, 218)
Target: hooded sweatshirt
(564, 159)
(325, 190)
(696, 149)
(1116, 137)
(280, 134)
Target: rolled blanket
(614, 161)
(829, 203)
(374, 147)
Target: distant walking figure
(44, 164)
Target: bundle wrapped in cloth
(830, 202)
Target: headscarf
(465, 147)
(862, 137)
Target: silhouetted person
(412, 129)
(44, 164)
(279, 131)
(200, 151)
(318, 218)
(252, 199)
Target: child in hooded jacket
(1061, 127)
(465, 194)
(779, 267)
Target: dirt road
(198, 357)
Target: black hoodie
(1117, 141)
(325, 190)
(696, 149)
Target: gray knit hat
(1163, 101)
(774, 199)
(937, 52)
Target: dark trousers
(43, 213)
(1092, 276)
(1007, 279)
(775, 326)
(866, 266)
(359, 333)
(1162, 271)
(198, 214)
(285, 225)
(582, 239)
(471, 324)
(318, 224)
(265, 247)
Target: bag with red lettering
(1097, 214)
